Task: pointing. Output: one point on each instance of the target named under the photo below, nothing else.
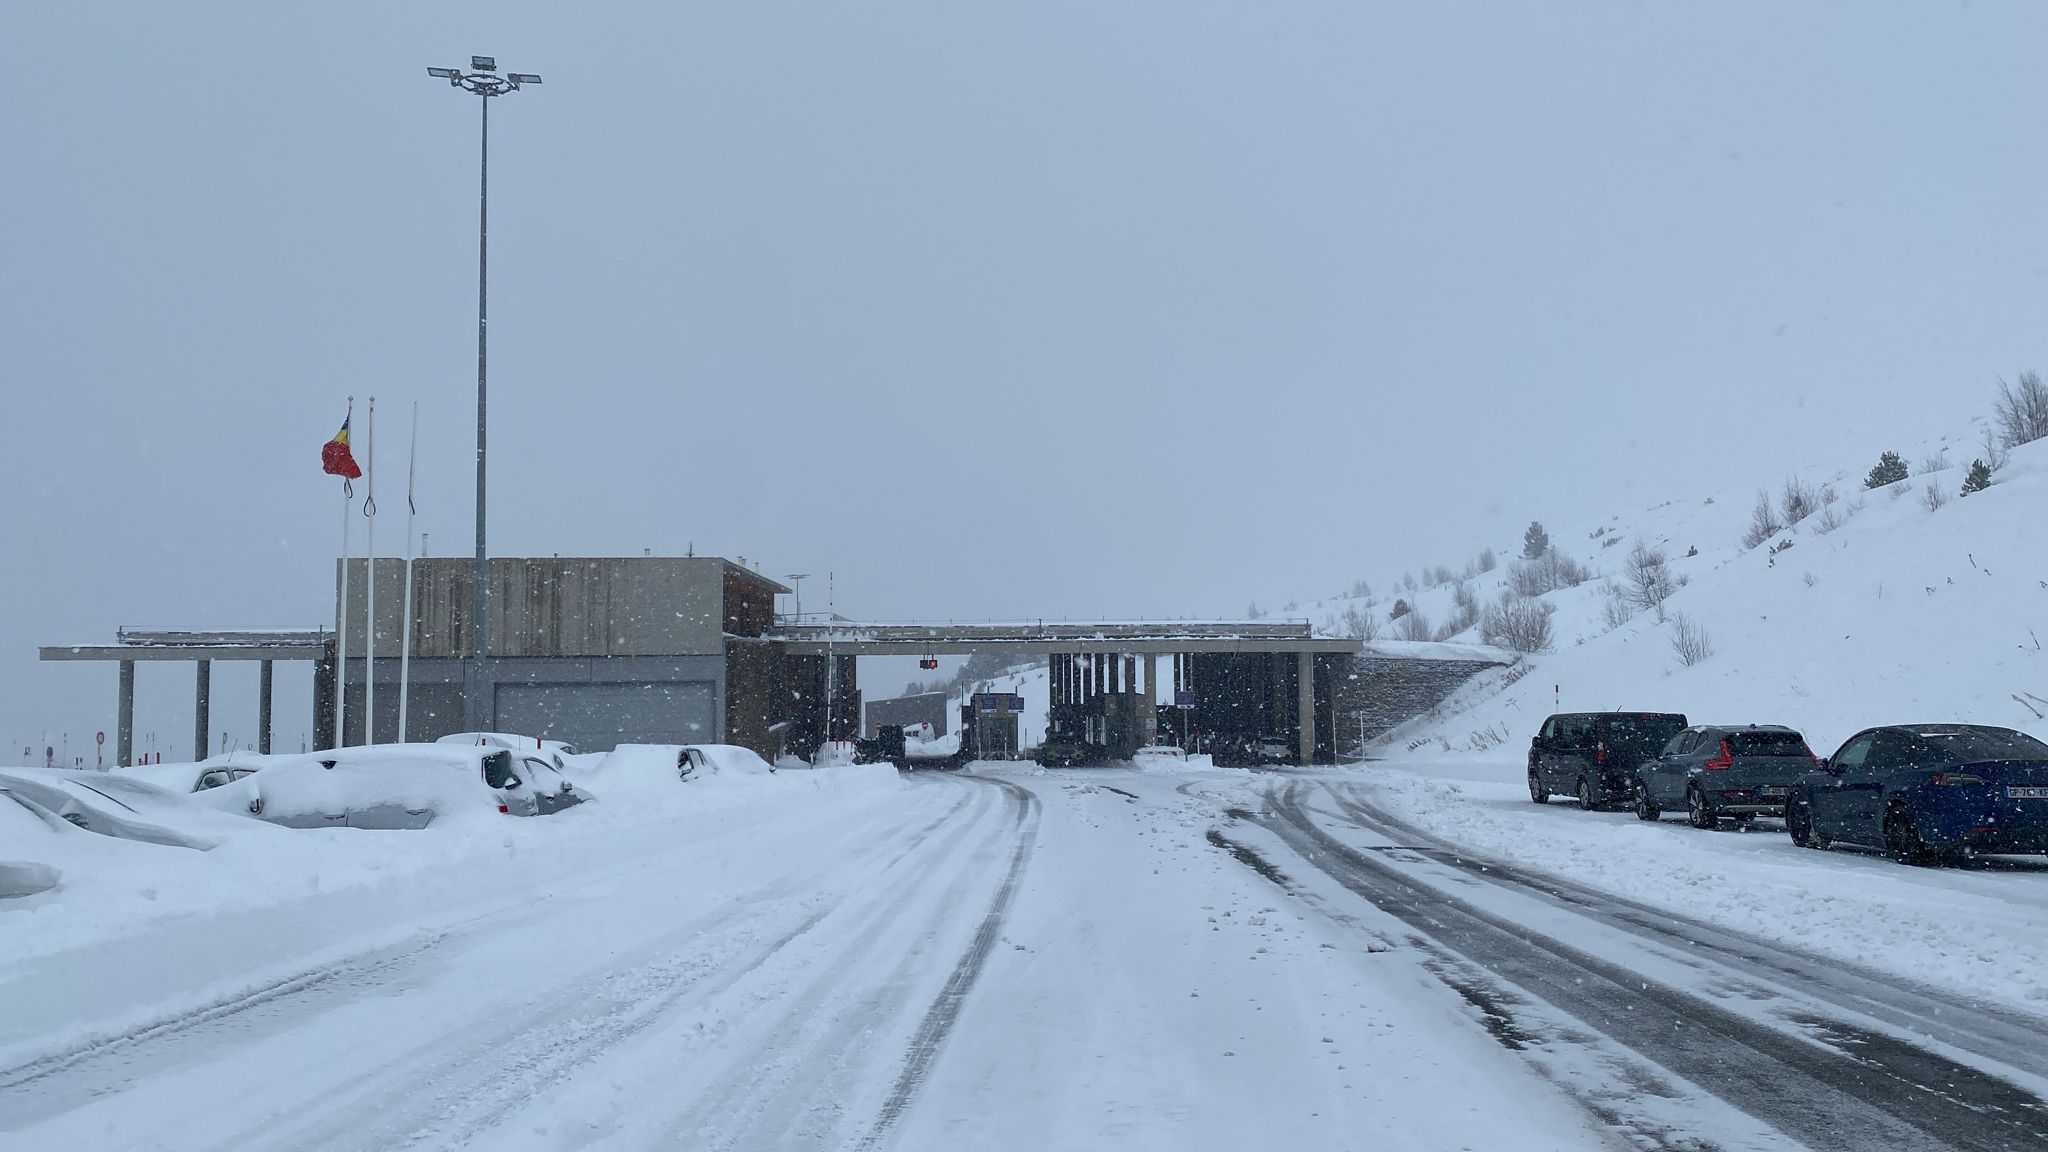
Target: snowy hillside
(1876, 607)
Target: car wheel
(1799, 824)
(1646, 808)
(1902, 837)
(1537, 791)
(1587, 800)
(1698, 813)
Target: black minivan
(1594, 755)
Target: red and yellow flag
(336, 459)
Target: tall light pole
(482, 80)
(796, 581)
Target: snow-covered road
(1014, 959)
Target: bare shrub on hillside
(1361, 625)
(1689, 640)
(1935, 461)
(1829, 518)
(1649, 580)
(1547, 573)
(1797, 500)
(1898, 490)
(2021, 410)
(1518, 623)
(1995, 453)
(1464, 612)
(1933, 497)
(1360, 590)
(1763, 521)
(1440, 575)
(1487, 560)
(1614, 606)
(1414, 626)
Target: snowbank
(109, 888)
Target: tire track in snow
(784, 1077)
(103, 1063)
(1982, 1029)
(1832, 1099)
(462, 1086)
(945, 1010)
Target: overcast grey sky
(1058, 309)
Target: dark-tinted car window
(1966, 746)
(1574, 730)
(1652, 731)
(1853, 753)
(498, 769)
(1894, 750)
(1680, 744)
(1767, 743)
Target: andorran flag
(336, 459)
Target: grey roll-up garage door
(599, 717)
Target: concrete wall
(1391, 690)
(436, 694)
(574, 607)
(928, 707)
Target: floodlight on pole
(796, 580)
(480, 82)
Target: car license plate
(2027, 793)
(1774, 790)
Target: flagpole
(348, 502)
(370, 579)
(405, 623)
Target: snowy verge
(1978, 930)
(108, 888)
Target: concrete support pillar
(1305, 703)
(1148, 699)
(124, 725)
(263, 684)
(202, 709)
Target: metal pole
(341, 626)
(405, 615)
(479, 608)
(370, 579)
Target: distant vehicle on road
(1925, 793)
(1594, 755)
(1716, 771)
(1160, 754)
(397, 786)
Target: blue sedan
(1927, 792)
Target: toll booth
(989, 725)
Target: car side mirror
(1831, 768)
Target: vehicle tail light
(504, 809)
(1725, 760)
(1599, 753)
(1954, 779)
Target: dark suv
(1594, 755)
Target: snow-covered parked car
(557, 752)
(117, 806)
(397, 786)
(1160, 755)
(206, 774)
